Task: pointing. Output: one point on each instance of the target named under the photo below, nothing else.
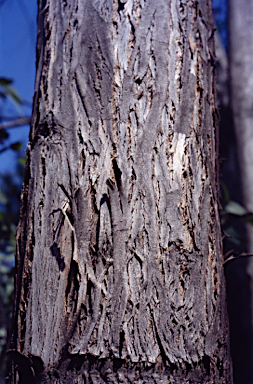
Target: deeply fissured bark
(119, 248)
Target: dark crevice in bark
(56, 252)
(92, 369)
(72, 288)
(117, 173)
(121, 5)
(30, 369)
(104, 200)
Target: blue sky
(220, 8)
(18, 30)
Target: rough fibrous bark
(119, 249)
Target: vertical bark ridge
(123, 259)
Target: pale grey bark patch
(120, 238)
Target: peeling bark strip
(119, 248)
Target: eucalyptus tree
(120, 266)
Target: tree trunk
(120, 267)
(241, 75)
(241, 82)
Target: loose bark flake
(119, 251)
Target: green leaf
(234, 208)
(3, 198)
(16, 146)
(22, 161)
(9, 288)
(10, 248)
(13, 94)
(225, 191)
(3, 332)
(4, 269)
(248, 218)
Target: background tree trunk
(241, 77)
(234, 141)
(120, 268)
(241, 83)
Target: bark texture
(119, 248)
